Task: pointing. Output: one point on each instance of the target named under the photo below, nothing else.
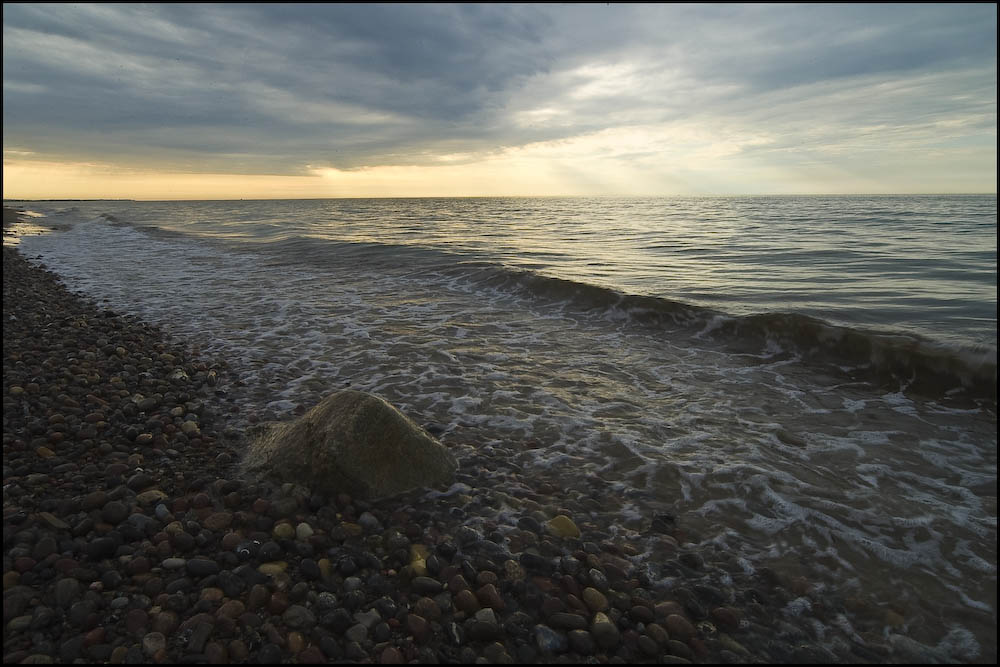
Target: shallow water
(637, 362)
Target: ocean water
(809, 382)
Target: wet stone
(426, 586)
(483, 626)
(680, 649)
(604, 631)
(641, 614)
(530, 524)
(582, 642)
(537, 564)
(419, 627)
(598, 579)
(153, 642)
(467, 602)
(679, 627)
(101, 548)
(657, 633)
(202, 567)
(310, 569)
(567, 621)
(488, 596)
(201, 631)
(648, 646)
(369, 618)
(270, 551)
(550, 641)
(595, 600)
(338, 620)
(298, 617)
(218, 521)
(427, 608)
(66, 590)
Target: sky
(228, 101)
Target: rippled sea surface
(809, 381)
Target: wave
(890, 360)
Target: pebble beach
(131, 536)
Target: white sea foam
(797, 606)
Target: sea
(807, 382)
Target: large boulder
(351, 442)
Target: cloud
(286, 89)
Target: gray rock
(604, 631)
(368, 521)
(356, 633)
(550, 641)
(369, 618)
(354, 443)
(298, 617)
(115, 512)
(66, 590)
(153, 642)
(582, 642)
(202, 567)
(483, 626)
(426, 585)
(566, 621)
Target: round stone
(298, 617)
(284, 531)
(562, 526)
(604, 631)
(153, 642)
(594, 599)
(679, 627)
(303, 531)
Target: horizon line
(559, 196)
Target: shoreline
(129, 536)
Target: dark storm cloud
(262, 88)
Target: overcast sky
(194, 100)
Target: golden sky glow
(647, 160)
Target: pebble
(582, 642)
(303, 531)
(202, 567)
(66, 591)
(150, 497)
(217, 522)
(550, 641)
(299, 618)
(369, 619)
(273, 568)
(466, 601)
(284, 531)
(483, 626)
(679, 627)
(562, 526)
(488, 596)
(153, 642)
(391, 656)
(680, 649)
(604, 631)
(416, 625)
(426, 585)
(595, 600)
(174, 563)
